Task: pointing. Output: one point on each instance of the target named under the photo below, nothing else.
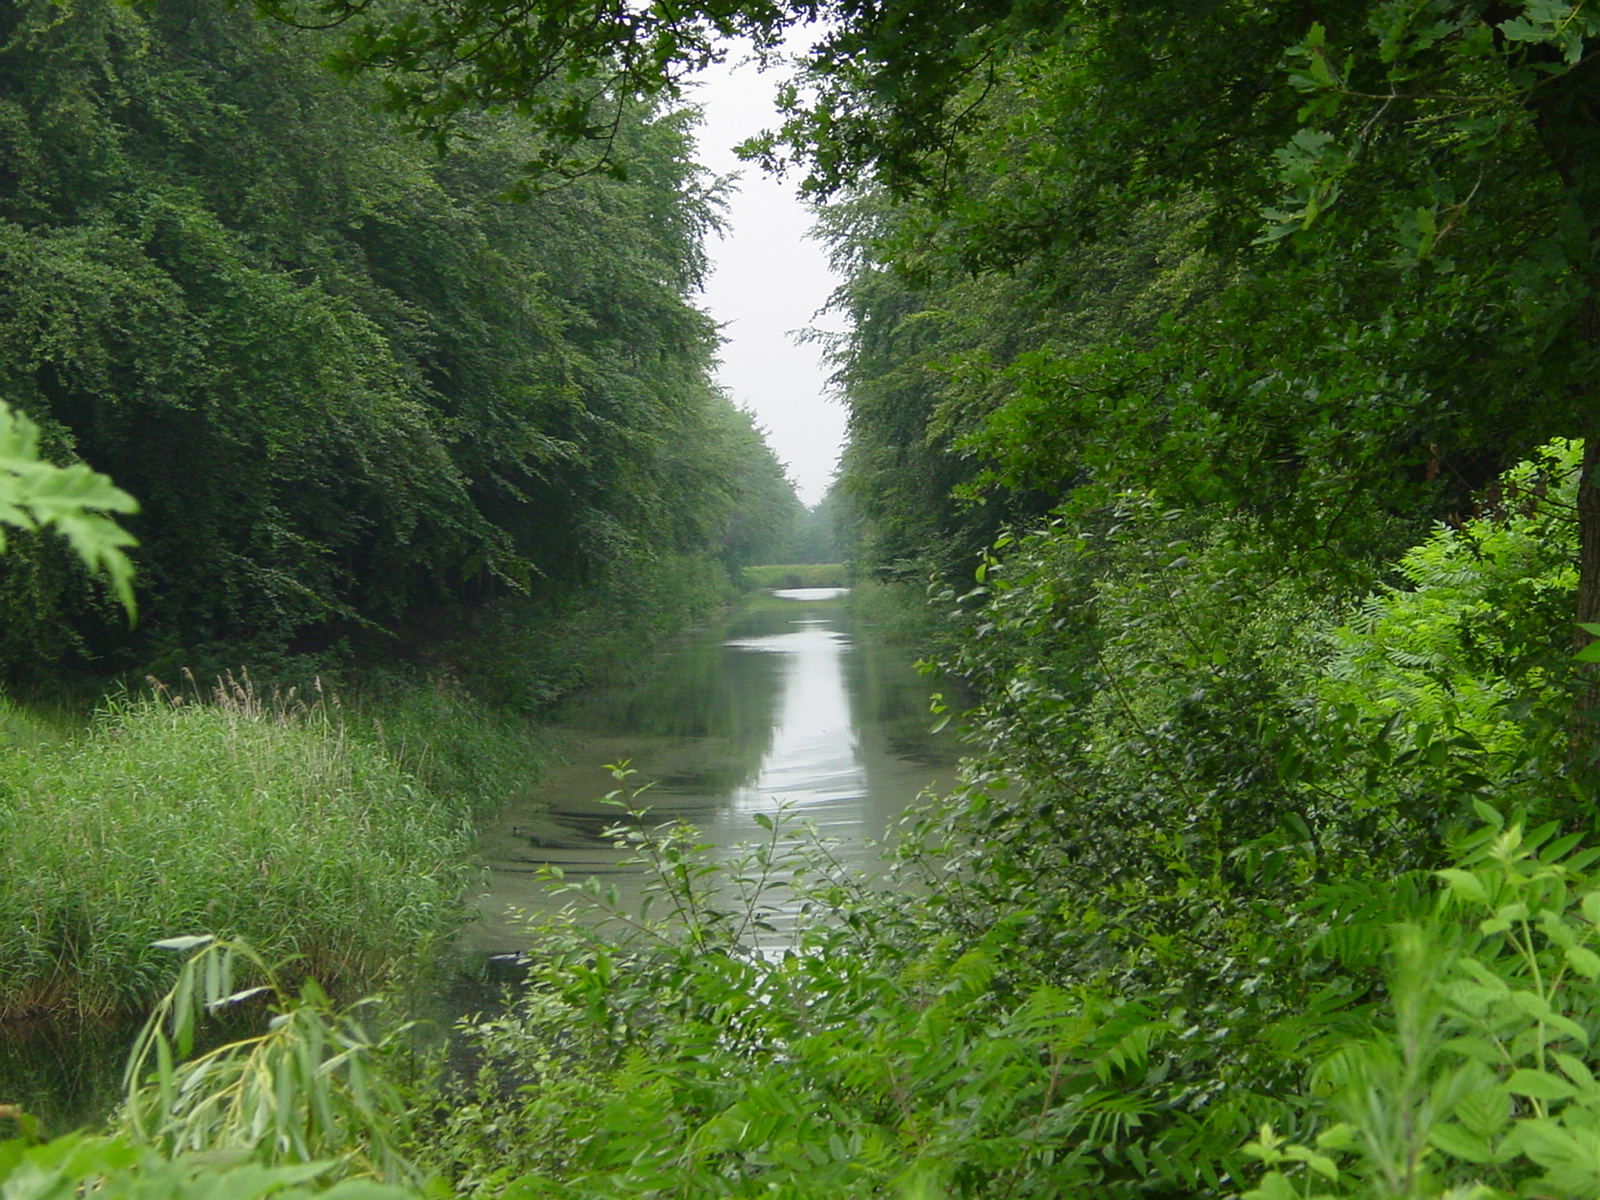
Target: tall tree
(346, 378)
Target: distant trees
(765, 511)
(821, 534)
(346, 378)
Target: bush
(666, 1049)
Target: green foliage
(311, 1088)
(820, 534)
(523, 657)
(348, 384)
(1159, 462)
(897, 612)
(250, 816)
(1464, 641)
(114, 1168)
(36, 494)
(766, 511)
(1474, 1080)
(796, 575)
(435, 730)
(665, 1047)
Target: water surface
(787, 705)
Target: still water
(786, 705)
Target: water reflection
(786, 705)
(813, 757)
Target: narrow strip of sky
(769, 281)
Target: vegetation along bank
(405, 462)
(1222, 374)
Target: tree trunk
(1585, 727)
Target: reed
(236, 813)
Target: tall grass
(233, 815)
(450, 741)
(898, 612)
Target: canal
(790, 706)
(786, 704)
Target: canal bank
(784, 701)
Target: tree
(348, 381)
(1430, 125)
(1437, 177)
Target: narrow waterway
(786, 706)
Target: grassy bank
(797, 575)
(334, 829)
(897, 611)
(264, 820)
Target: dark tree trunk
(1584, 727)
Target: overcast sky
(769, 281)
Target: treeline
(1228, 378)
(1203, 440)
(1224, 377)
(351, 382)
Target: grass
(260, 820)
(341, 834)
(898, 612)
(798, 575)
(451, 742)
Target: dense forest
(350, 383)
(1221, 379)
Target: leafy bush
(768, 1027)
(311, 1087)
(1474, 1077)
(112, 1168)
(1465, 645)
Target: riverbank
(797, 575)
(330, 825)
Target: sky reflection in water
(786, 705)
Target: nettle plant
(1476, 1082)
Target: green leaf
(35, 493)
(1540, 1085)
(1462, 1144)
(1464, 884)
(1584, 961)
(189, 942)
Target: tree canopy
(347, 379)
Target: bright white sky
(769, 281)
